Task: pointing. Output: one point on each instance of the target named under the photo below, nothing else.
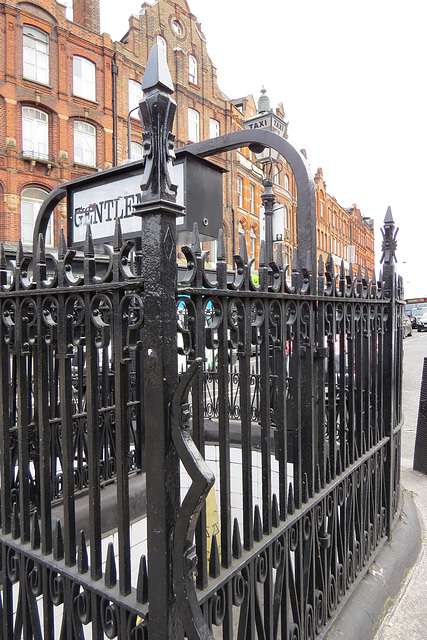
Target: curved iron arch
(306, 200)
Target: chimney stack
(86, 14)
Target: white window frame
(251, 198)
(30, 206)
(240, 192)
(252, 242)
(192, 69)
(213, 254)
(84, 78)
(35, 54)
(134, 97)
(162, 43)
(136, 150)
(285, 217)
(213, 128)
(35, 133)
(193, 125)
(176, 26)
(84, 143)
(286, 182)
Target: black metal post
(390, 421)
(420, 452)
(158, 211)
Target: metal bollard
(420, 453)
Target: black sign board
(99, 199)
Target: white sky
(352, 79)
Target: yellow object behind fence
(212, 522)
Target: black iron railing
(117, 388)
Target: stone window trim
(173, 18)
(38, 86)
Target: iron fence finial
(157, 112)
(389, 243)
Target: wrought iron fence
(288, 552)
(134, 394)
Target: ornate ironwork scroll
(304, 484)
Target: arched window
(286, 178)
(35, 133)
(192, 69)
(31, 201)
(136, 150)
(35, 55)
(84, 78)
(161, 42)
(176, 26)
(285, 217)
(84, 143)
(213, 128)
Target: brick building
(342, 232)
(68, 107)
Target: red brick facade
(76, 100)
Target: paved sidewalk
(407, 617)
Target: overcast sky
(352, 79)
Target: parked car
(422, 322)
(407, 326)
(416, 313)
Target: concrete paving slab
(407, 617)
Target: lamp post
(268, 199)
(129, 133)
(267, 158)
